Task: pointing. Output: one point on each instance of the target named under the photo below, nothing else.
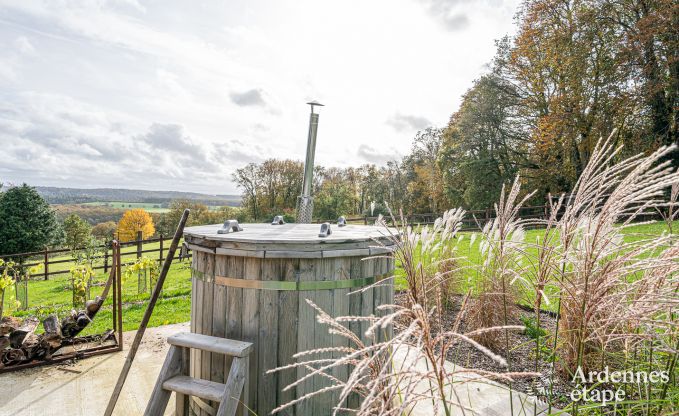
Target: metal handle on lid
(230, 226)
(325, 230)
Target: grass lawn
(55, 296)
(471, 256)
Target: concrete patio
(83, 388)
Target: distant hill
(55, 195)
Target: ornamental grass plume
(495, 293)
(613, 293)
(383, 386)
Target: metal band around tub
(289, 285)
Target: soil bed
(521, 354)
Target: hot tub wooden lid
(290, 240)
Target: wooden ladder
(174, 375)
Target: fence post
(47, 264)
(160, 253)
(106, 257)
(139, 244)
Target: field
(54, 295)
(150, 207)
(147, 206)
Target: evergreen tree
(26, 221)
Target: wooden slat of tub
(389, 272)
(268, 337)
(252, 271)
(384, 295)
(208, 314)
(340, 307)
(196, 326)
(322, 339)
(367, 296)
(218, 321)
(234, 313)
(380, 293)
(355, 310)
(194, 310)
(306, 329)
(288, 305)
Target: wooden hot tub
(252, 285)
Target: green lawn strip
(55, 296)
(471, 256)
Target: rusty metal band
(289, 285)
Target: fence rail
(473, 219)
(52, 257)
(476, 219)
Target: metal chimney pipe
(305, 202)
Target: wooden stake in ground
(147, 315)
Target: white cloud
(376, 156)
(410, 123)
(24, 45)
(134, 92)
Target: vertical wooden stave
(268, 338)
(355, 310)
(340, 307)
(218, 320)
(323, 403)
(252, 270)
(198, 262)
(208, 314)
(306, 329)
(234, 312)
(288, 307)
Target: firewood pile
(19, 344)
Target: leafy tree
(26, 221)
(484, 144)
(249, 179)
(133, 221)
(105, 231)
(166, 222)
(76, 231)
(334, 197)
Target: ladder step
(204, 389)
(212, 344)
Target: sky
(176, 95)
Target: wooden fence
(52, 259)
(476, 219)
(472, 220)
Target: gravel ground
(521, 354)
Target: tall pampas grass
(495, 294)
(611, 290)
(387, 388)
(616, 299)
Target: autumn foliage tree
(132, 222)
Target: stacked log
(19, 343)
